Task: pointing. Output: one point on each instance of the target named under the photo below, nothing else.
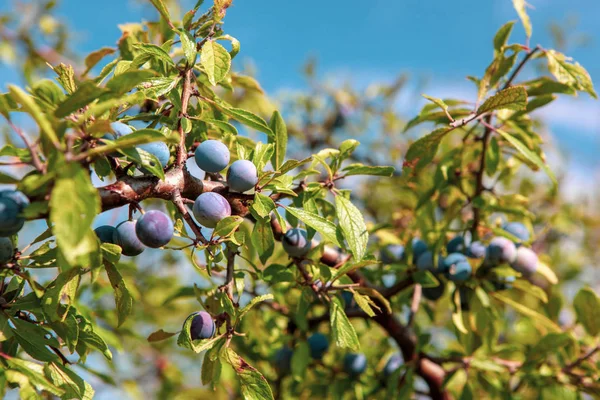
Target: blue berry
(242, 176)
(154, 229)
(202, 327)
(210, 207)
(296, 243)
(212, 156)
(126, 237)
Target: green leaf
(84, 95)
(520, 8)
(437, 101)
(587, 308)
(360, 169)
(342, 330)
(147, 161)
(211, 367)
(159, 86)
(502, 36)
(279, 139)
(163, 10)
(347, 267)
(123, 83)
(457, 316)
(72, 384)
(136, 138)
(512, 98)
(216, 61)
(568, 73)
(528, 154)
(365, 303)
(31, 108)
(227, 226)
(247, 118)
(66, 77)
(318, 223)
(94, 58)
(188, 45)
(300, 360)
(262, 239)
(262, 154)
(123, 298)
(253, 302)
(541, 319)
(353, 226)
(35, 373)
(72, 225)
(254, 386)
(160, 335)
(422, 152)
(262, 205)
(64, 288)
(224, 126)
(33, 339)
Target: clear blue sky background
(440, 40)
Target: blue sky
(437, 40)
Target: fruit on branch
(451, 260)
(348, 298)
(283, 360)
(7, 250)
(460, 271)
(526, 261)
(212, 156)
(210, 207)
(202, 326)
(418, 248)
(154, 229)
(295, 242)
(476, 250)
(355, 364)
(501, 250)
(16, 196)
(10, 220)
(159, 150)
(126, 237)
(434, 293)
(425, 262)
(393, 253)
(118, 129)
(106, 234)
(517, 229)
(318, 345)
(393, 364)
(242, 176)
(456, 245)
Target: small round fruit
(476, 250)
(126, 238)
(425, 262)
(451, 260)
(418, 248)
(10, 221)
(202, 326)
(434, 293)
(209, 208)
(517, 229)
(283, 360)
(7, 250)
(393, 253)
(355, 363)
(456, 245)
(296, 243)
(159, 150)
(106, 234)
(526, 261)
(119, 129)
(460, 271)
(393, 364)
(318, 345)
(348, 298)
(242, 176)
(16, 196)
(212, 156)
(501, 250)
(154, 229)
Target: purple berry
(418, 248)
(476, 250)
(501, 250)
(456, 245)
(283, 360)
(242, 176)
(126, 238)
(106, 234)
(212, 156)
(16, 196)
(451, 260)
(202, 327)
(154, 229)
(526, 261)
(10, 221)
(296, 243)
(393, 253)
(210, 207)
(425, 262)
(318, 345)
(355, 364)
(159, 150)
(460, 271)
(517, 229)
(393, 364)
(7, 250)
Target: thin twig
(35, 159)
(177, 200)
